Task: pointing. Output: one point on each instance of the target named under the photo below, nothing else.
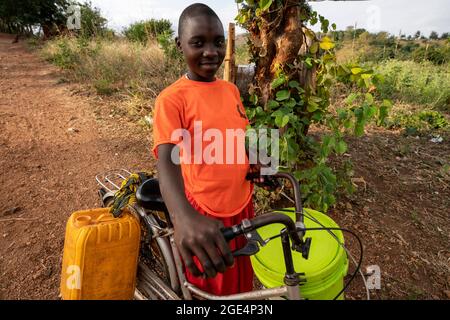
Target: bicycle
(160, 269)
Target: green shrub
(121, 66)
(65, 56)
(436, 54)
(104, 86)
(168, 45)
(418, 83)
(143, 31)
(420, 122)
(92, 22)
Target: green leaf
(310, 34)
(305, 120)
(347, 124)
(329, 141)
(324, 24)
(387, 103)
(265, 4)
(358, 113)
(283, 95)
(253, 99)
(293, 149)
(259, 110)
(290, 103)
(317, 116)
(314, 48)
(242, 18)
(312, 106)
(369, 98)
(359, 128)
(272, 104)
(370, 111)
(382, 114)
(278, 113)
(281, 120)
(294, 84)
(341, 147)
(251, 112)
(356, 70)
(278, 82)
(299, 176)
(351, 98)
(342, 114)
(315, 99)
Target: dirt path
(52, 144)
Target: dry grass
(133, 72)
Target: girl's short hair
(194, 10)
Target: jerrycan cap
(82, 221)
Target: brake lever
(252, 247)
(249, 249)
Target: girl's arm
(194, 233)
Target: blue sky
(393, 16)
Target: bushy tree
(437, 54)
(143, 31)
(20, 16)
(434, 35)
(92, 21)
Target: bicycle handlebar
(295, 186)
(270, 218)
(297, 196)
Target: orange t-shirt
(213, 159)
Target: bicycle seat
(148, 195)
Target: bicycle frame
(178, 283)
(178, 280)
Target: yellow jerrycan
(100, 256)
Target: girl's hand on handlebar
(266, 182)
(200, 236)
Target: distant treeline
(49, 17)
(365, 46)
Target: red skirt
(239, 277)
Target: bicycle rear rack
(112, 179)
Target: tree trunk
(276, 43)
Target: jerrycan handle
(104, 218)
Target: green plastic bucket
(325, 268)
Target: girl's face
(203, 45)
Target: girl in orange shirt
(204, 196)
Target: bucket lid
(325, 255)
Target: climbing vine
(294, 71)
